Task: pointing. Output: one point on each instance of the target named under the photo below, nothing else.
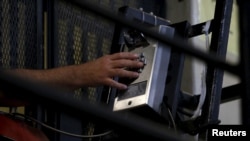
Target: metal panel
(77, 36)
(18, 34)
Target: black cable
(31, 119)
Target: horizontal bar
(124, 122)
(175, 44)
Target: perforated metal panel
(80, 36)
(18, 34)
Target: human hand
(102, 70)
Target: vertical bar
(244, 23)
(36, 110)
(214, 76)
(40, 38)
(40, 54)
(51, 115)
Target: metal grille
(18, 42)
(80, 36)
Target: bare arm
(94, 73)
(91, 74)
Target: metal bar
(125, 123)
(244, 22)
(49, 16)
(51, 115)
(35, 110)
(214, 76)
(196, 30)
(231, 93)
(40, 41)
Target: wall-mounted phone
(148, 89)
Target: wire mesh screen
(80, 36)
(18, 34)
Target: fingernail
(136, 55)
(136, 74)
(124, 87)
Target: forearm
(91, 74)
(62, 77)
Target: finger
(115, 84)
(125, 73)
(124, 55)
(127, 64)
